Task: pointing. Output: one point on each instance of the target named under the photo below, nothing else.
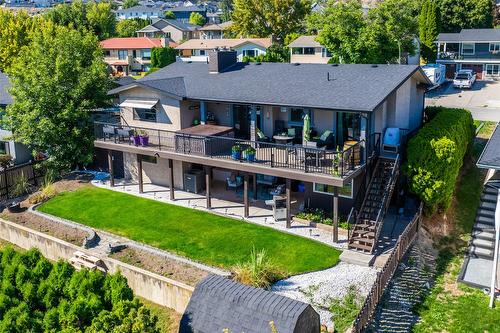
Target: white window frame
(255, 51)
(473, 48)
(492, 66)
(494, 47)
(331, 194)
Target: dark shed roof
(5, 97)
(471, 35)
(218, 303)
(341, 87)
(490, 157)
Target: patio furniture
(278, 190)
(261, 137)
(108, 131)
(279, 126)
(283, 139)
(124, 133)
(326, 140)
(233, 182)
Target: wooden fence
(9, 177)
(404, 242)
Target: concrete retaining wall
(153, 287)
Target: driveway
(483, 100)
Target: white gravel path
(318, 288)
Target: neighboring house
(263, 105)
(127, 56)
(214, 18)
(142, 12)
(476, 49)
(306, 49)
(19, 152)
(170, 29)
(197, 49)
(215, 30)
(182, 13)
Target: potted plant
(236, 152)
(136, 138)
(250, 154)
(144, 138)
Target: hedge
(435, 155)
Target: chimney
(220, 60)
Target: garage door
(478, 69)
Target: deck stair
(371, 215)
(482, 244)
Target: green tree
(101, 19)
(128, 28)
(55, 81)
(169, 15)
(162, 56)
(264, 18)
(226, 6)
(73, 15)
(196, 18)
(130, 3)
(465, 14)
(428, 25)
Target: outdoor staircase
(370, 218)
(482, 244)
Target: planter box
(321, 226)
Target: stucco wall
(153, 173)
(153, 287)
(316, 58)
(222, 112)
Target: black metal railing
(458, 56)
(337, 163)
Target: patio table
(283, 139)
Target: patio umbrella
(307, 129)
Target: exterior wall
(139, 14)
(189, 111)
(316, 58)
(211, 34)
(416, 106)
(247, 47)
(223, 113)
(135, 63)
(19, 152)
(153, 173)
(323, 120)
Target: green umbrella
(307, 129)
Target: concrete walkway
(259, 213)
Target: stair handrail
(385, 200)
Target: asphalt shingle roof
(490, 157)
(5, 97)
(471, 35)
(341, 87)
(305, 41)
(218, 303)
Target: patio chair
(261, 137)
(124, 133)
(233, 182)
(108, 131)
(326, 140)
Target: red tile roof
(132, 43)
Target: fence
(9, 177)
(404, 242)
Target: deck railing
(338, 163)
(404, 242)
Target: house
(306, 49)
(476, 49)
(197, 49)
(170, 29)
(142, 12)
(198, 117)
(19, 152)
(127, 56)
(215, 30)
(182, 13)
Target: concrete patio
(227, 203)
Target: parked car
(464, 78)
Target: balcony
(477, 56)
(339, 164)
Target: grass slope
(202, 236)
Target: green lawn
(202, 236)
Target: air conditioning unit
(193, 181)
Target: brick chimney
(220, 60)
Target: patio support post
(208, 180)
(254, 186)
(253, 123)
(288, 204)
(110, 168)
(171, 179)
(335, 214)
(139, 173)
(245, 196)
(203, 113)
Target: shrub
(345, 310)
(21, 185)
(435, 155)
(259, 271)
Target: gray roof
(305, 41)
(490, 157)
(471, 35)
(160, 24)
(186, 9)
(350, 87)
(140, 9)
(5, 97)
(218, 303)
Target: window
(4, 147)
(107, 53)
(146, 54)
(325, 53)
(344, 192)
(297, 115)
(468, 48)
(202, 52)
(122, 54)
(297, 50)
(494, 47)
(168, 34)
(308, 50)
(493, 69)
(249, 53)
(149, 159)
(145, 114)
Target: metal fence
(9, 177)
(404, 242)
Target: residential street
(483, 100)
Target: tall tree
(101, 19)
(162, 56)
(196, 19)
(169, 15)
(130, 3)
(264, 18)
(226, 6)
(55, 81)
(428, 25)
(128, 28)
(465, 14)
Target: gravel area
(318, 288)
(161, 265)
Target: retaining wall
(151, 286)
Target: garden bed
(321, 226)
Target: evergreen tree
(428, 30)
